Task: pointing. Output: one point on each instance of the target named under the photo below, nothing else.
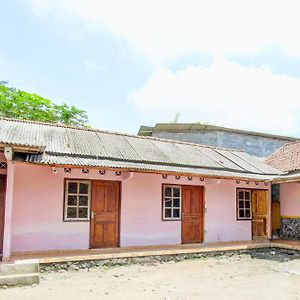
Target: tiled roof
(67, 145)
(287, 158)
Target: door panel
(275, 217)
(105, 214)
(260, 214)
(192, 214)
(2, 201)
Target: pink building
(287, 159)
(63, 187)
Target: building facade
(68, 188)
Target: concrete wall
(38, 210)
(255, 145)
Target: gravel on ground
(239, 276)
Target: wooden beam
(22, 149)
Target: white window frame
(172, 206)
(78, 194)
(238, 208)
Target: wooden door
(105, 217)
(260, 214)
(192, 214)
(2, 201)
(275, 217)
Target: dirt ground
(235, 277)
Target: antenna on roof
(177, 115)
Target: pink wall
(38, 210)
(141, 222)
(221, 223)
(141, 213)
(8, 206)
(290, 199)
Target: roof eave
(286, 178)
(265, 177)
(23, 148)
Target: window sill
(78, 220)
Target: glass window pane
(72, 188)
(247, 195)
(247, 204)
(83, 200)
(71, 212)
(83, 188)
(176, 192)
(241, 196)
(247, 213)
(83, 212)
(168, 192)
(241, 213)
(168, 213)
(168, 203)
(176, 213)
(72, 200)
(176, 202)
(241, 204)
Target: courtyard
(266, 275)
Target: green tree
(22, 105)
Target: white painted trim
(180, 202)
(78, 194)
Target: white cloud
(225, 94)
(39, 7)
(169, 28)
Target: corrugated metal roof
(89, 147)
(196, 127)
(139, 166)
(290, 177)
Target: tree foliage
(22, 105)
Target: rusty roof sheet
(69, 145)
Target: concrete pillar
(8, 211)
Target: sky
(231, 63)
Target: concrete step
(19, 279)
(19, 272)
(19, 267)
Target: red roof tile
(287, 158)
